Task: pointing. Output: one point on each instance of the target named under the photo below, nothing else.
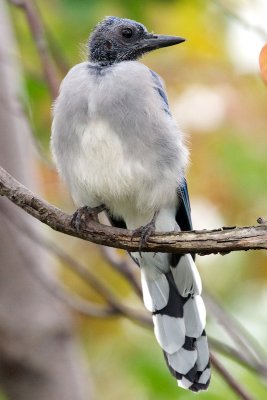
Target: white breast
(102, 170)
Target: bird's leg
(146, 231)
(85, 214)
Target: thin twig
(122, 266)
(37, 31)
(76, 303)
(236, 331)
(54, 287)
(236, 17)
(135, 315)
(56, 51)
(235, 355)
(80, 305)
(236, 386)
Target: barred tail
(179, 317)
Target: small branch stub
(261, 221)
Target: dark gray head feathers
(116, 39)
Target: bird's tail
(179, 317)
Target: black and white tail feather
(179, 318)
(178, 311)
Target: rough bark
(39, 356)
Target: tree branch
(237, 18)
(231, 381)
(202, 242)
(123, 266)
(249, 348)
(114, 306)
(37, 31)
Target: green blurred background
(219, 99)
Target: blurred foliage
(228, 169)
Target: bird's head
(119, 39)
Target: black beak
(153, 42)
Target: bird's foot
(85, 214)
(145, 232)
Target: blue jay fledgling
(115, 143)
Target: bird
(118, 148)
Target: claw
(84, 214)
(145, 232)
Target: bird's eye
(108, 44)
(127, 33)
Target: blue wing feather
(183, 214)
(159, 88)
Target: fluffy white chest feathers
(111, 143)
(102, 173)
